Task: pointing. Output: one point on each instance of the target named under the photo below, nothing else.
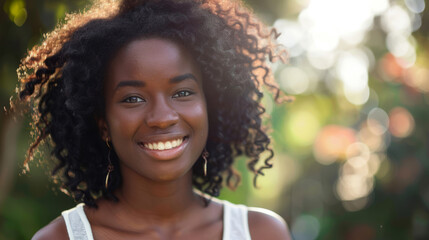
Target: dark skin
(154, 95)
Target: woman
(146, 105)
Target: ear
(103, 128)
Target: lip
(167, 154)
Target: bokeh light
(374, 142)
(416, 6)
(306, 227)
(294, 80)
(332, 143)
(378, 121)
(401, 122)
(17, 12)
(301, 127)
(396, 20)
(358, 149)
(354, 186)
(418, 78)
(390, 68)
(352, 70)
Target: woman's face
(156, 114)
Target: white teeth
(160, 146)
(164, 145)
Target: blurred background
(352, 150)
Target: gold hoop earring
(107, 142)
(110, 166)
(205, 155)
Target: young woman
(146, 104)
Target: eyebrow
(183, 77)
(130, 83)
(136, 83)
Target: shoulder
(266, 224)
(54, 230)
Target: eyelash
(128, 99)
(136, 99)
(186, 92)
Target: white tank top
(235, 224)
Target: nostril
(162, 117)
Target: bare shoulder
(54, 230)
(266, 224)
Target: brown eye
(183, 93)
(133, 99)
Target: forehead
(153, 57)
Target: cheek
(122, 124)
(197, 116)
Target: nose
(161, 114)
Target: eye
(182, 93)
(133, 99)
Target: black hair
(64, 76)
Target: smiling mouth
(164, 145)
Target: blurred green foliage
(29, 201)
(303, 186)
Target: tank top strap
(235, 222)
(77, 223)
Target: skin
(154, 93)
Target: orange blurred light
(332, 142)
(401, 122)
(389, 65)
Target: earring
(205, 155)
(110, 166)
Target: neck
(160, 200)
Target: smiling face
(156, 114)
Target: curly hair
(62, 81)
